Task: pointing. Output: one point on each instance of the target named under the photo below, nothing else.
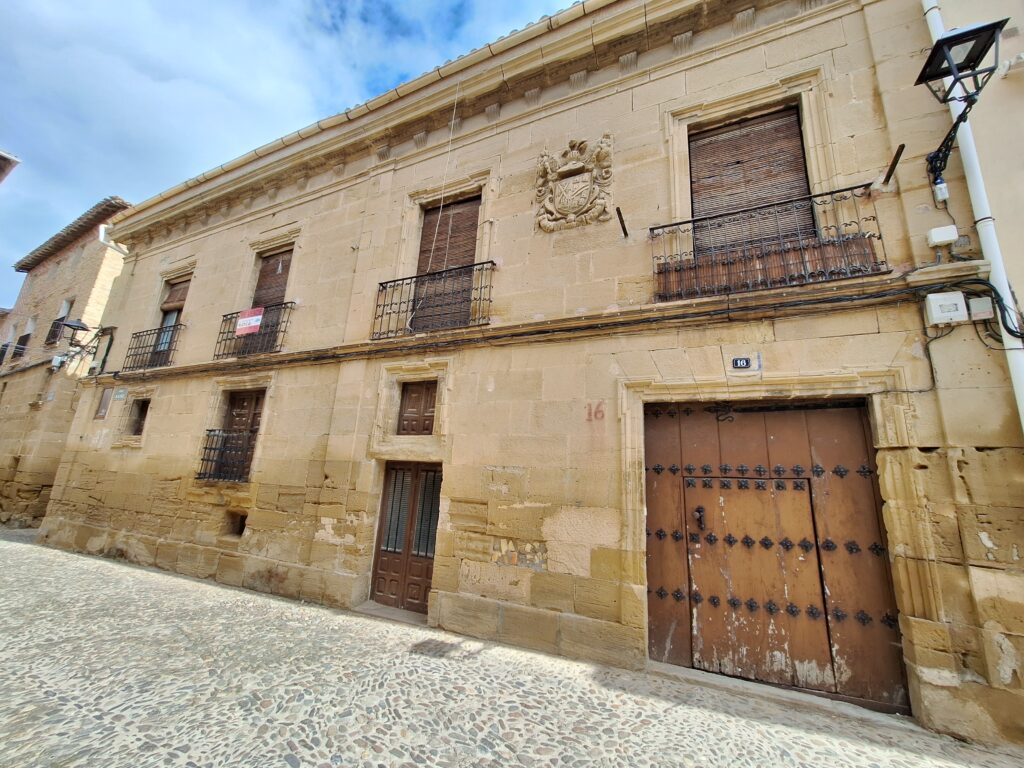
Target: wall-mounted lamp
(79, 347)
(959, 55)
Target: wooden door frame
(416, 467)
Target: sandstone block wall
(540, 540)
(36, 403)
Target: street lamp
(958, 55)
(71, 329)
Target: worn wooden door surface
(765, 550)
(408, 530)
(241, 424)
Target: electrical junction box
(981, 308)
(945, 308)
(940, 236)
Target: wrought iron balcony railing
(451, 298)
(227, 455)
(253, 331)
(153, 348)
(805, 240)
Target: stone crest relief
(573, 188)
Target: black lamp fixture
(71, 329)
(959, 55)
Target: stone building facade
(67, 278)
(425, 352)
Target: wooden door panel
(668, 618)
(854, 564)
(714, 625)
(404, 562)
(757, 584)
(417, 584)
(783, 557)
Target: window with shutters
(20, 346)
(444, 288)
(416, 409)
(272, 279)
(261, 328)
(155, 347)
(450, 288)
(53, 335)
(746, 165)
(755, 223)
(228, 451)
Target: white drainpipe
(105, 239)
(986, 225)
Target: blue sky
(129, 98)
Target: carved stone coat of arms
(573, 188)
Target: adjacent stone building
(605, 339)
(67, 278)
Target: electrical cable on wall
(440, 212)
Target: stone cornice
(785, 302)
(586, 36)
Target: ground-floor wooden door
(404, 563)
(765, 553)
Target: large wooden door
(766, 558)
(404, 563)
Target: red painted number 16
(595, 412)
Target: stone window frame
(263, 247)
(123, 438)
(883, 389)
(216, 410)
(483, 183)
(176, 274)
(384, 444)
(806, 90)
(103, 402)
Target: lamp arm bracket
(937, 160)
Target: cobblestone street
(109, 665)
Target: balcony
(253, 331)
(452, 298)
(227, 455)
(152, 349)
(812, 239)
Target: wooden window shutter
(416, 411)
(747, 164)
(273, 279)
(449, 236)
(176, 294)
(245, 410)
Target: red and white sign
(249, 321)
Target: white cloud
(101, 98)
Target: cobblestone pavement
(106, 664)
